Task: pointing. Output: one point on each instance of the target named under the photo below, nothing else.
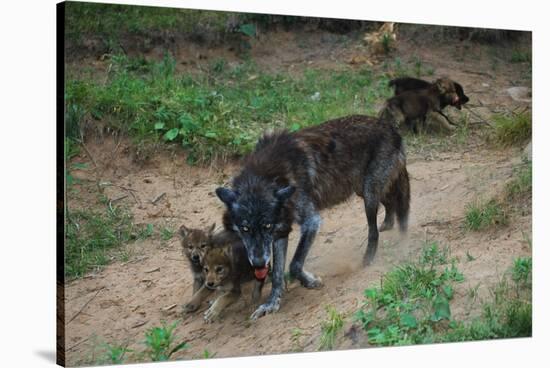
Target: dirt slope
(130, 297)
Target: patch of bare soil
(120, 302)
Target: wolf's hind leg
(378, 173)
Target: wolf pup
(225, 269)
(410, 106)
(194, 244)
(404, 84)
(291, 177)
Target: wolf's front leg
(273, 302)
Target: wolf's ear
(285, 193)
(226, 195)
(184, 231)
(211, 229)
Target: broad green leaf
(171, 134)
(159, 125)
(408, 320)
(248, 29)
(442, 309)
(448, 290)
(371, 293)
(294, 127)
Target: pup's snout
(195, 258)
(210, 284)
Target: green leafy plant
(159, 342)
(411, 301)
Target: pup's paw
(211, 314)
(269, 307)
(190, 307)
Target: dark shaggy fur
(291, 177)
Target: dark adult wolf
(290, 177)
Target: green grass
(522, 271)
(412, 300)
(219, 112)
(519, 56)
(484, 215)
(110, 22)
(160, 345)
(330, 328)
(522, 181)
(92, 235)
(412, 305)
(514, 129)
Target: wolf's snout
(195, 258)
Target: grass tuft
(512, 129)
(483, 215)
(330, 328)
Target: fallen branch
(78, 343)
(85, 305)
(158, 198)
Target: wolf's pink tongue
(260, 273)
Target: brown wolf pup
(225, 268)
(195, 243)
(410, 106)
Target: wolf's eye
(203, 245)
(267, 226)
(245, 228)
(219, 269)
(205, 269)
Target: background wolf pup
(291, 177)
(412, 105)
(225, 269)
(404, 84)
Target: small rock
(522, 94)
(528, 151)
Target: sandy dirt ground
(118, 303)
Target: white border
(28, 179)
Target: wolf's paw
(269, 307)
(310, 281)
(385, 226)
(190, 307)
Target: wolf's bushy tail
(403, 198)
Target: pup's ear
(440, 87)
(211, 229)
(226, 195)
(184, 231)
(228, 251)
(285, 193)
